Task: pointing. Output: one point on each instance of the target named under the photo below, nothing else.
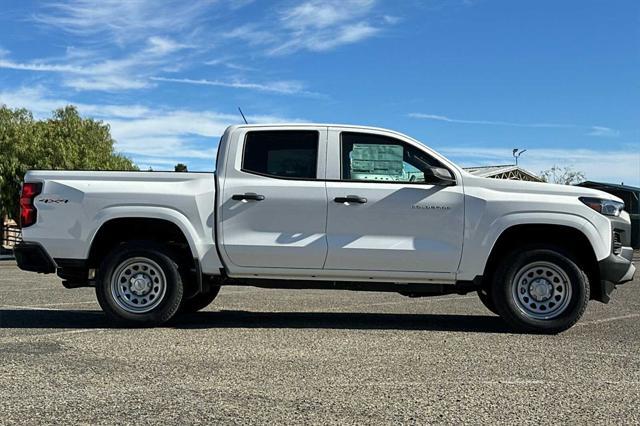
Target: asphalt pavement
(259, 356)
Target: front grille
(617, 241)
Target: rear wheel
(139, 284)
(540, 290)
(199, 301)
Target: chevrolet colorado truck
(325, 207)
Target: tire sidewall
(509, 308)
(174, 288)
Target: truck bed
(185, 199)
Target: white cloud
(324, 13)
(41, 67)
(106, 83)
(175, 133)
(488, 122)
(281, 87)
(322, 41)
(603, 131)
(107, 75)
(35, 99)
(347, 35)
(252, 34)
(226, 62)
(592, 130)
(141, 131)
(315, 25)
(164, 45)
(391, 20)
(122, 21)
(85, 70)
(612, 165)
(151, 33)
(122, 44)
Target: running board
(406, 289)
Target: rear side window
(289, 154)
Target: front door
(274, 201)
(383, 214)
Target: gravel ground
(322, 357)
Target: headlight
(606, 207)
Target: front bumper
(32, 257)
(614, 270)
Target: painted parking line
(47, 305)
(31, 337)
(88, 302)
(27, 308)
(21, 280)
(249, 290)
(401, 302)
(605, 320)
(15, 290)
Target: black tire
(534, 278)
(199, 301)
(487, 301)
(120, 265)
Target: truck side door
(273, 206)
(384, 213)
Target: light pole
(517, 154)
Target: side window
(289, 154)
(367, 157)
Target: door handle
(249, 196)
(350, 199)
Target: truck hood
(536, 187)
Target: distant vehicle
(325, 206)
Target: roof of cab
(298, 124)
(348, 126)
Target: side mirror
(439, 176)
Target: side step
(409, 289)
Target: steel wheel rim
(541, 290)
(138, 285)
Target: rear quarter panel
(74, 205)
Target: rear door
(383, 213)
(274, 203)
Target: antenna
(517, 154)
(243, 117)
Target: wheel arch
(135, 228)
(174, 221)
(567, 238)
(118, 230)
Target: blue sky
(472, 79)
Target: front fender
(478, 245)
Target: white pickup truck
(325, 206)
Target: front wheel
(540, 290)
(139, 284)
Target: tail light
(28, 212)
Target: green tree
(562, 175)
(66, 141)
(180, 167)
